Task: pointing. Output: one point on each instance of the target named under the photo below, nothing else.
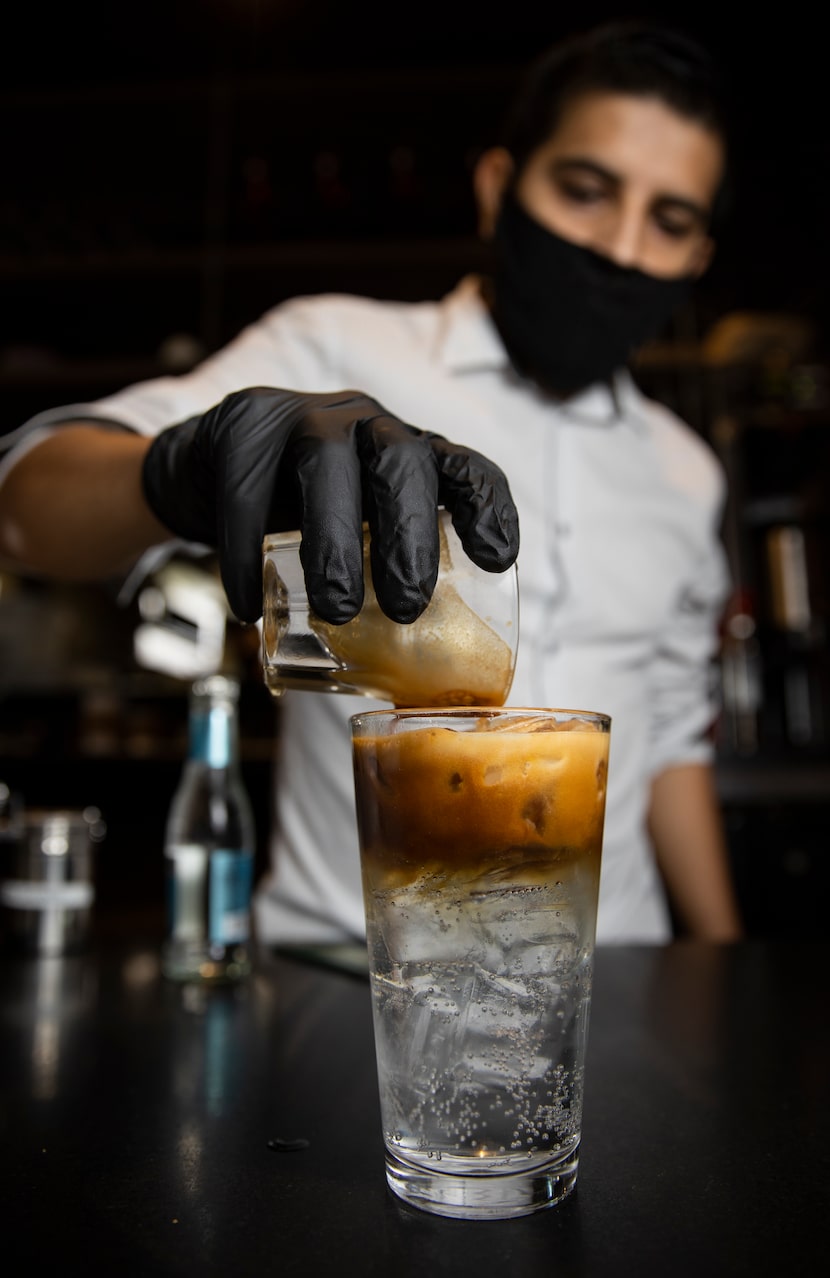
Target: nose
(622, 238)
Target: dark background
(129, 126)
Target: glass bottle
(209, 846)
(742, 679)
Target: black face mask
(570, 317)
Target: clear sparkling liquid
(481, 1001)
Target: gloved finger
(478, 495)
(165, 460)
(247, 454)
(331, 552)
(402, 503)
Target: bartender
(600, 201)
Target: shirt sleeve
(685, 685)
(285, 348)
(288, 347)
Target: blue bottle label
(231, 884)
(211, 736)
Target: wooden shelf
(372, 251)
(763, 782)
(81, 372)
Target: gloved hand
(267, 460)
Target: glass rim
(216, 685)
(74, 816)
(275, 541)
(365, 718)
(293, 536)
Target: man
(598, 203)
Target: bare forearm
(687, 831)
(72, 508)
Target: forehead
(638, 139)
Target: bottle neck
(213, 729)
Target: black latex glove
(267, 460)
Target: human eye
(676, 224)
(673, 230)
(581, 191)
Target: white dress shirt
(622, 574)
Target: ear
(702, 259)
(491, 177)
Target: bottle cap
(216, 685)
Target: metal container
(47, 880)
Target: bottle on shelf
(789, 579)
(209, 846)
(11, 819)
(800, 634)
(8, 807)
(741, 676)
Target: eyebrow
(582, 164)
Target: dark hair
(633, 57)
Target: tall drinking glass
(481, 837)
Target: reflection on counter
(62, 991)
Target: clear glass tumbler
(481, 837)
(47, 880)
(460, 651)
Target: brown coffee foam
(448, 657)
(436, 798)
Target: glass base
(479, 1196)
(197, 963)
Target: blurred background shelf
(763, 783)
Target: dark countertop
(136, 1119)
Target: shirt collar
(468, 341)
